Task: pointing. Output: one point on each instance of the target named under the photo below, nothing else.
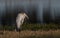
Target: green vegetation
(30, 26)
(40, 26)
(31, 31)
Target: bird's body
(20, 19)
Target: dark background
(39, 11)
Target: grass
(40, 26)
(31, 31)
(31, 34)
(33, 27)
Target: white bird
(20, 19)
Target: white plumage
(20, 19)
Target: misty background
(39, 11)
